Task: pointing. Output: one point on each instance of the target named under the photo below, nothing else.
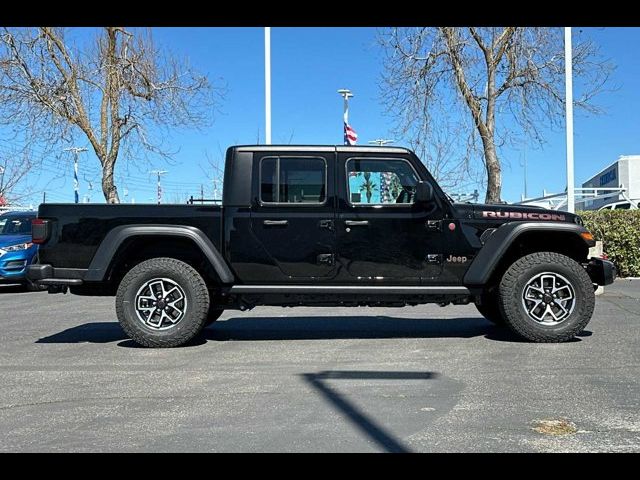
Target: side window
(380, 181)
(293, 180)
(623, 206)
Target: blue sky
(308, 66)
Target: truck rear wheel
(546, 297)
(162, 302)
(489, 307)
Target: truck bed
(78, 229)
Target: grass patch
(555, 427)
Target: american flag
(350, 135)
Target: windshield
(15, 226)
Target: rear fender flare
(113, 240)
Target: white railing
(582, 195)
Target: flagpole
(568, 76)
(267, 83)
(346, 94)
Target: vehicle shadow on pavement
(14, 289)
(345, 327)
(305, 328)
(97, 332)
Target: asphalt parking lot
(311, 379)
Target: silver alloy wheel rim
(549, 298)
(160, 303)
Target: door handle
(356, 223)
(273, 223)
(328, 224)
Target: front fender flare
(498, 243)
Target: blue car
(16, 249)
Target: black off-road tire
(512, 288)
(195, 313)
(214, 314)
(489, 308)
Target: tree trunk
(108, 186)
(494, 178)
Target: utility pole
(267, 84)
(380, 142)
(159, 173)
(215, 189)
(201, 194)
(90, 189)
(44, 197)
(76, 184)
(346, 94)
(568, 79)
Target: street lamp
(267, 84)
(568, 81)
(380, 142)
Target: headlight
(16, 248)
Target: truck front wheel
(546, 297)
(162, 302)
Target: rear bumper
(602, 272)
(47, 275)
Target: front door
(384, 237)
(293, 218)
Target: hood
(501, 213)
(6, 240)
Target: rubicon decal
(524, 215)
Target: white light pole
(267, 83)
(568, 79)
(76, 183)
(159, 173)
(346, 94)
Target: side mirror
(424, 192)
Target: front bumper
(602, 272)
(13, 266)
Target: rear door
(293, 216)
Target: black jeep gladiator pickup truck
(321, 225)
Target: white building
(624, 173)
(618, 183)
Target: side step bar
(352, 289)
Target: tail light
(39, 230)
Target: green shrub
(619, 231)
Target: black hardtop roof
(321, 148)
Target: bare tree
(499, 82)
(120, 92)
(15, 165)
(214, 172)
